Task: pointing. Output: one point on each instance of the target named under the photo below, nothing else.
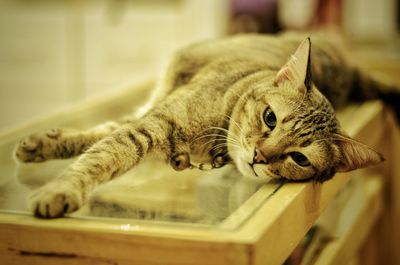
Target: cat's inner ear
(355, 155)
(297, 70)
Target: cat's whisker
(218, 137)
(235, 122)
(228, 139)
(332, 139)
(244, 144)
(225, 141)
(235, 147)
(216, 140)
(231, 136)
(224, 145)
(230, 119)
(225, 130)
(209, 135)
(219, 128)
(214, 148)
(209, 129)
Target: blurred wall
(371, 20)
(53, 53)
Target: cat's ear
(355, 155)
(298, 69)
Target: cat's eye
(269, 118)
(300, 159)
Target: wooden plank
(288, 215)
(33, 244)
(343, 249)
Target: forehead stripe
(288, 118)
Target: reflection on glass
(152, 191)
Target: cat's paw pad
(30, 150)
(53, 201)
(36, 147)
(54, 133)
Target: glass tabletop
(151, 193)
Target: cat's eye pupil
(270, 118)
(300, 159)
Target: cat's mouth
(251, 165)
(261, 172)
(253, 169)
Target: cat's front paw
(55, 199)
(37, 147)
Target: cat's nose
(259, 157)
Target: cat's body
(241, 100)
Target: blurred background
(54, 53)
(57, 53)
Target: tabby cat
(250, 100)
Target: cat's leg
(105, 160)
(60, 143)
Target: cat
(263, 103)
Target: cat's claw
(54, 200)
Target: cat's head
(284, 127)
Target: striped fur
(209, 108)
